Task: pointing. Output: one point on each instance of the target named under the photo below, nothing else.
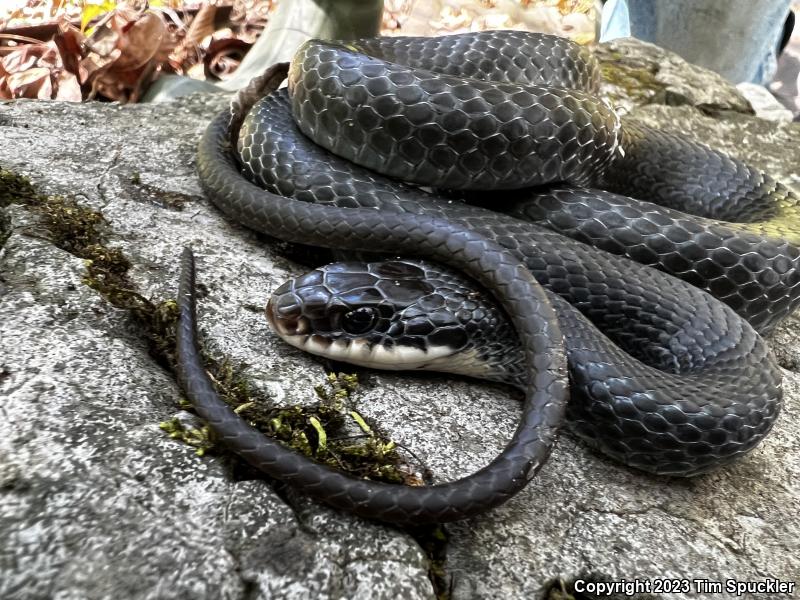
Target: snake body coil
(438, 129)
(365, 229)
(409, 123)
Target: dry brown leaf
(103, 41)
(202, 25)
(69, 42)
(68, 88)
(50, 57)
(31, 83)
(128, 47)
(143, 45)
(93, 64)
(123, 52)
(23, 58)
(223, 56)
(188, 51)
(141, 41)
(118, 85)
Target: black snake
(709, 391)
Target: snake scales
(685, 385)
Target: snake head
(396, 315)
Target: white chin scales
(398, 358)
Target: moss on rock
(316, 430)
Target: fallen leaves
(102, 49)
(116, 60)
(122, 54)
(36, 70)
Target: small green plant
(323, 429)
(199, 438)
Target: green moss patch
(82, 231)
(319, 430)
(322, 429)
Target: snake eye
(359, 320)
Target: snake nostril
(285, 319)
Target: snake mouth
(286, 323)
(373, 355)
(297, 330)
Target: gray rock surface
(765, 105)
(637, 73)
(97, 502)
